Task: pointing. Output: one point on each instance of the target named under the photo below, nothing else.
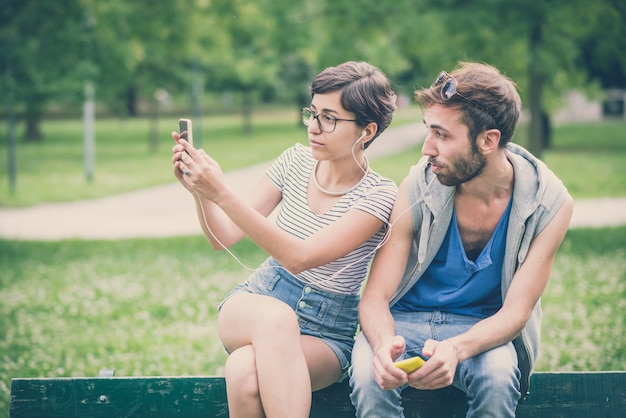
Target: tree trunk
(131, 101)
(246, 113)
(32, 118)
(154, 126)
(535, 87)
(546, 128)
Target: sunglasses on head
(449, 89)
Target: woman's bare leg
(241, 376)
(242, 386)
(271, 328)
(324, 366)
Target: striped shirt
(375, 195)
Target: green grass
(141, 307)
(589, 157)
(148, 306)
(584, 304)
(53, 170)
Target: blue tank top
(455, 284)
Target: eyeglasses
(325, 122)
(448, 90)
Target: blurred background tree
(266, 51)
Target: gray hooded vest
(537, 196)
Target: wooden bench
(554, 395)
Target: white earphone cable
(382, 242)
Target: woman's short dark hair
(487, 98)
(365, 91)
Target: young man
(475, 229)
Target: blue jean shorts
(329, 316)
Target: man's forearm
(376, 322)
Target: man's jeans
(490, 380)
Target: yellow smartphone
(410, 364)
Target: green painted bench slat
(554, 395)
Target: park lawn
(132, 154)
(148, 306)
(587, 156)
(126, 160)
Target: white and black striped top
(375, 195)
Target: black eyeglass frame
(449, 89)
(307, 120)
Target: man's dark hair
(487, 98)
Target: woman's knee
(278, 318)
(245, 319)
(240, 372)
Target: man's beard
(464, 169)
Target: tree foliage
(268, 50)
(41, 54)
(603, 43)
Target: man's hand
(386, 374)
(439, 369)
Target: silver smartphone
(185, 130)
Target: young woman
(289, 328)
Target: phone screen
(184, 128)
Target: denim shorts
(329, 316)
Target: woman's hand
(177, 151)
(198, 172)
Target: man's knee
(491, 381)
(368, 398)
(364, 387)
(362, 361)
